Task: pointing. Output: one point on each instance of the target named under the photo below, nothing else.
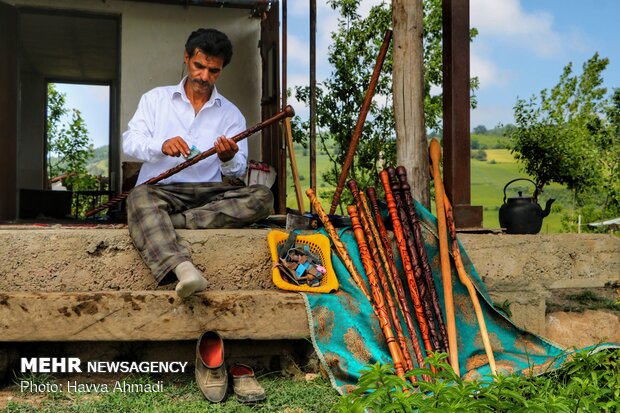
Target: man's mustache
(202, 83)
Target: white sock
(190, 279)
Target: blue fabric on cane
(347, 336)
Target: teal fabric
(347, 336)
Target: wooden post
(313, 96)
(408, 86)
(456, 119)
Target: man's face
(202, 72)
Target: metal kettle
(522, 215)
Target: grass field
(488, 179)
(490, 141)
(487, 188)
(284, 395)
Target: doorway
(79, 53)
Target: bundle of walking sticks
(387, 294)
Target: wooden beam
(456, 107)
(151, 316)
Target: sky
(521, 48)
(93, 101)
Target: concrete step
(151, 316)
(522, 269)
(64, 259)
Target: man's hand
(225, 148)
(175, 147)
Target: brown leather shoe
(211, 375)
(246, 387)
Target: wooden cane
(419, 243)
(416, 264)
(460, 269)
(366, 223)
(444, 252)
(287, 112)
(294, 170)
(378, 302)
(338, 245)
(359, 126)
(404, 256)
(395, 278)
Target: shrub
(480, 155)
(587, 383)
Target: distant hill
(99, 163)
(489, 141)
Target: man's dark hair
(211, 42)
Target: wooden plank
(150, 315)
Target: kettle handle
(520, 179)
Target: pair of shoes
(211, 374)
(212, 377)
(245, 385)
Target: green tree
(568, 135)
(68, 144)
(352, 54)
(56, 110)
(481, 130)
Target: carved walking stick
(378, 302)
(366, 222)
(419, 243)
(294, 170)
(357, 132)
(446, 272)
(423, 290)
(395, 278)
(404, 255)
(338, 245)
(288, 112)
(460, 269)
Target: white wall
(152, 42)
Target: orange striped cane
(404, 255)
(378, 302)
(366, 223)
(423, 289)
(395, 278)
(419, 243)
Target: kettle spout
(548, 207)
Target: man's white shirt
(166, 112)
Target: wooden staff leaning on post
(444, 253)
(447, 219)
